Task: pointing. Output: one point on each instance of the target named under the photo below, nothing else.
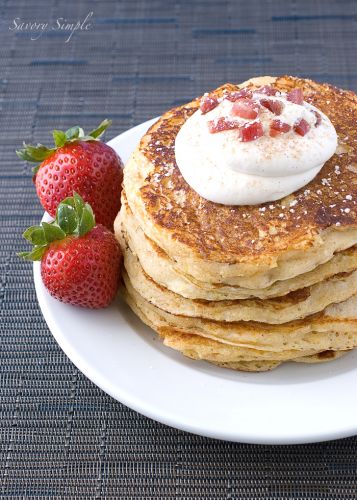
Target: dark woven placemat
(60, 436)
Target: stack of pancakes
(245, 287)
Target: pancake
(263, 366)
(334, 329)
(244, 287)
(295, 305)
(198, 348)
(232, 356)
(248, 366)
(321, 357)
(243, 245)
(157, 264)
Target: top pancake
(287, 237)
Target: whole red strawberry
(80, 163)
(80, 262)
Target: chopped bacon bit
(296, 96)
(301, 127)
(247, 132)
(267, 90)
(222, 124)
(208, 103)
(318, 118)
(251, 131)
(273, 105)
(278, 127)
(234, 96)
(245, 108)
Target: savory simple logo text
(37, 29)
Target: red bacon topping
(296, 96)
(273, 105)
(222, 124)
(301, 127)
(278, 127)
(247, 132)
(267, 90)
(234, 96)
(318, 118)
(245, 108)
(251, 131)
(208, 103)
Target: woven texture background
(60, 436)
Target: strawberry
(80, 163)
(80, 261)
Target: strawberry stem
(38, 153)
(74, 218)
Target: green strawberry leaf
(53, 232)
(34, 153)
(67, 218)
(73, 217)
(39, 153)
(68, 201)
(74, 133)
(87, 221)
(78, 204)
(35, 235)
(102, 127)
(87, 138)
(59, 137)
(35, 254)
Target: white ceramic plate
(296, 403)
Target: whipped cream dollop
(252, 147)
